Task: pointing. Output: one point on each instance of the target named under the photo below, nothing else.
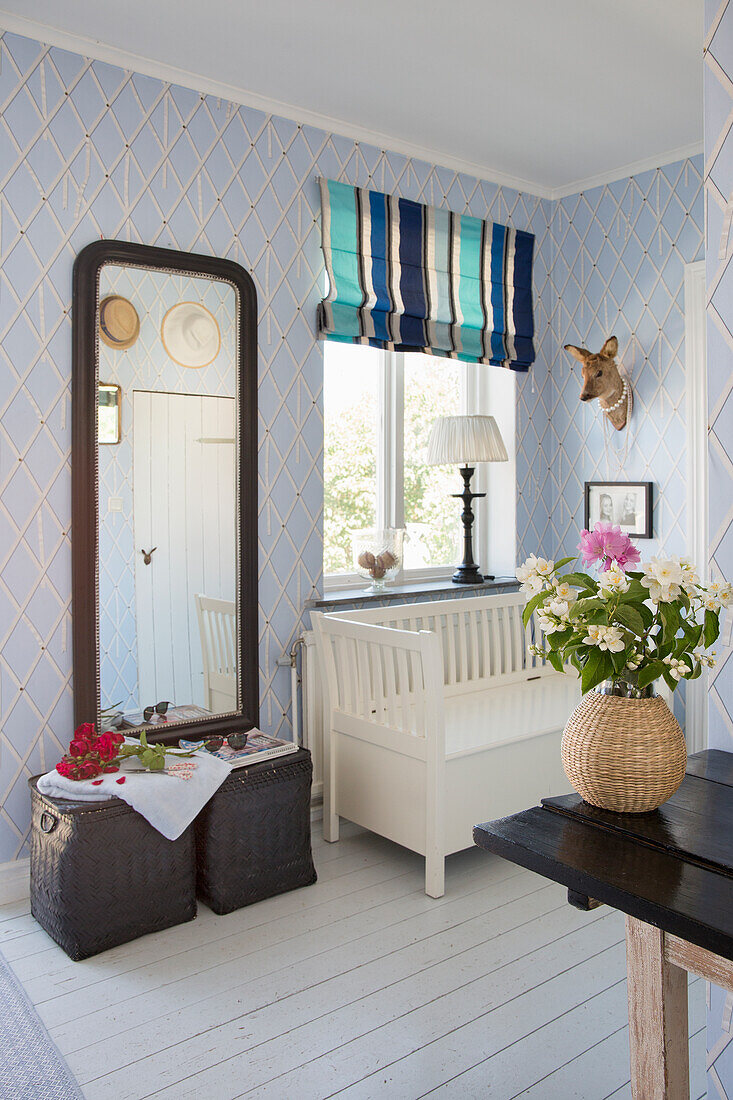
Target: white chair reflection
(218, 631)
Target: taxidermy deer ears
(581, 354)
(608, 351)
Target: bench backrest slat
(482, 639)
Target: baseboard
(15, 865)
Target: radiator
(308, 704)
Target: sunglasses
(159, 708)
(234, 741)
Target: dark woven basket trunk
(101, 875)
(253, 839)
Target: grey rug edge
(61, 1083)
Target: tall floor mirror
(164, 491)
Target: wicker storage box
(101, 875)
(253, 839)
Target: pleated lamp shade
(464, 440)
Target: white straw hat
(119, 324)
(190, 335)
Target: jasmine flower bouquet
(626, 624)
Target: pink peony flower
(606, 544)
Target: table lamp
(466, 440)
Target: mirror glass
(167, 384)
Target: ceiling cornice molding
(636, 168)
(124, 59)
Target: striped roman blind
(409, 277)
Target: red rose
(85, 731)
(118, 738)
(105, 747)
(87, 770)
(110, 768)
(79, 747)
(64, 767)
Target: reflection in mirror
(108, 410)
(168, 630)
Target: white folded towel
(169, 803)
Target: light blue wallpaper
(619, 270)
(89, 150)
(719, 265)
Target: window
(378, 410)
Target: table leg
(657, 1017)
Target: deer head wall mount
(602, 379)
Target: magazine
(260, 746)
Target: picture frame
(109, 401)
(628, 504)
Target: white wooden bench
(438, 717)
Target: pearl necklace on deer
(620, 401)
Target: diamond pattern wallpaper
(719, 266)
(90, 150)
(618, 269)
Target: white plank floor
(359, 986)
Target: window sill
(404, 592)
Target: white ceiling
(547, 94)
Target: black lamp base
(467, 575)
(468, 571)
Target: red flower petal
(96, 782)
(120, 780)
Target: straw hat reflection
(191, 335)
(119, 324)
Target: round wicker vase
(626, 755)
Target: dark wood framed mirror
(164, 523)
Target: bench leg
(331, 824)
(435, 876)
(330, 817)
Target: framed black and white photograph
(625, 503)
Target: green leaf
(712, 627)
(670, 621)
(579, 580)
(692, 634)
(590, 670)
(556, 661)
(558, 638)
(563, 561)
(532, 605)
(669, 679)
(597, 618)
(619, 660)
(630, 617)
(157, 764)
(697, 672)
(665, 649)
(650, 672)
(583, 606)
(647, 615)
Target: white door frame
(697, 475)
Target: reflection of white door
(185, 507)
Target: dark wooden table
(671, 873)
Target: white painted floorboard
(359, 986)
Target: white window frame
(482, 391)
